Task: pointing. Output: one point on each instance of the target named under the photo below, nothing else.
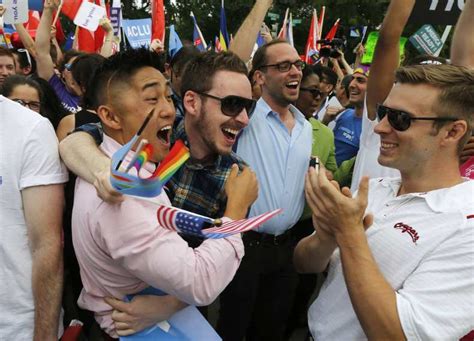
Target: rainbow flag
(149, 187)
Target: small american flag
(176, 219)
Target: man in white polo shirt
(400, 253)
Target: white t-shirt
(369, 148)
(423, 246)
(28, 157)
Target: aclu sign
(138, 32)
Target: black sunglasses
(233, 105)
(401, 120)
(286, 66)
(314, 92)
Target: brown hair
(199, 72)
(456, 85)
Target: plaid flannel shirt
(200, 188)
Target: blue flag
(198, 39)
(35, 5)
(175, 43)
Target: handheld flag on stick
(290, 31)
(186, 222)
(174, 44)
(332, 32)
(321, 22)
(223, 35)
(70, 8)
(284, 28)
(311, 49)
(158, 21)
(198, 39)
(152, 186)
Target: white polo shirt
(423, 244)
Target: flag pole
(57, 13)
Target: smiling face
(7, 67)
(417, 148)
(214, 133)
(132, 100)
(307, 103)
(280, 87)
(357, 89)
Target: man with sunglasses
(277, 145)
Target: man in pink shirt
(121, 249)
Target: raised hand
(241, 190)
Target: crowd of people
(376, 235)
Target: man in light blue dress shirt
(277, 146)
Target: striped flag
(223, 35)
(182, 221)
(185, 222)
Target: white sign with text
(17, 11)
(89, 16)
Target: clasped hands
(336, 213)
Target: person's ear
(454, 132)
(167, 71)
(192, 103)
(109, 118)
(259, 77)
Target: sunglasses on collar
(401, 120)
(233, 105)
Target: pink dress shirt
(121, 250)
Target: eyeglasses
(68, 66)
(233, 105)
(33, 105)
(286, 66)
(401, 120)
(314, 92)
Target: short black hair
(83, 69)
(182, 57)
(199, 73)
(11, 82)
(326, 74)
(119, 68)
(22, 55)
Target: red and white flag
(312, 39)
(332, 32)
(182, 221)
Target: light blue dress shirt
(280, 160)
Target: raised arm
(26, 39)
(44, 62)
(106, 49)
(386, 55)
(244, 40)
(81, 155)
(44, 220)
(462, 46)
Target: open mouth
(230, 133)
(164, 134)
(292, 85)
